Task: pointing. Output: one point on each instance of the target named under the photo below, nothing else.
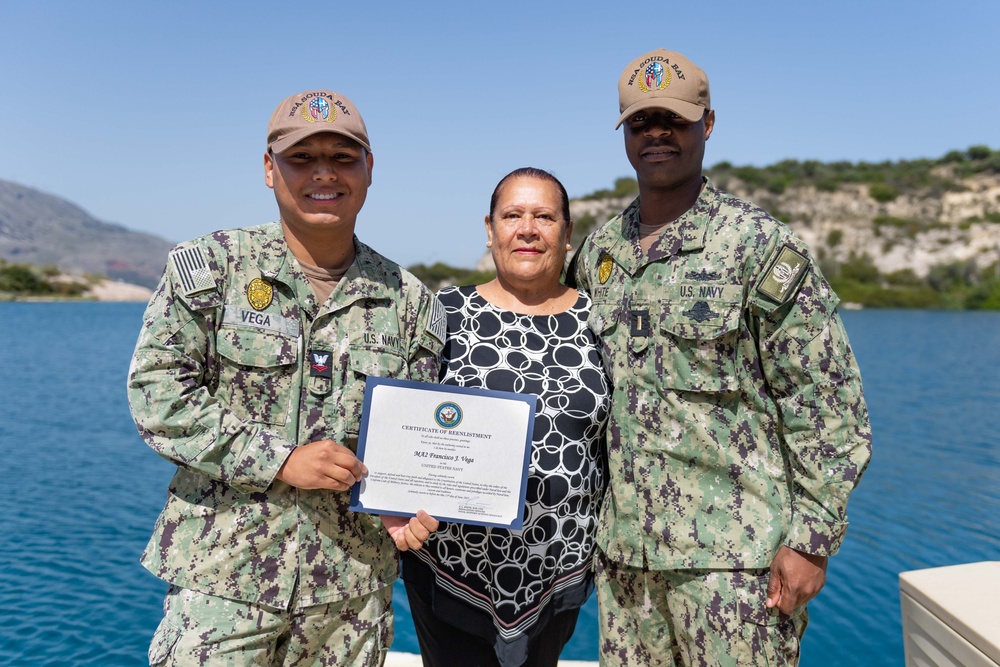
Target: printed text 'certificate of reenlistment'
(459, 454)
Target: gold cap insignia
(259, 293)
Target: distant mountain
(45, 230)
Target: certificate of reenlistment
(460, 454)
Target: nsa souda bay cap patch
(312, 112)
(666, 80)
(783, 275)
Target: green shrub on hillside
(979, 152)
(624, 187)
(23, 280)
(876, 296)
(439, 275)
(582, 227)
(905, 176)
(882, 192)
(20, 279)
(985, 296)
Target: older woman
(489, 596)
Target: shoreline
(400, 659)
(103, 290)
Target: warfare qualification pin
(259, 293)
(604, 268)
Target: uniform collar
(273, 256)
(685, 234)
(365, 279)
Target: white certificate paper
(459, 454)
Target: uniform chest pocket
(698, 345)
(257, 373)
(603, 323)
(364, 362)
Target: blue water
(80, 491)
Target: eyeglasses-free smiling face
(666, 150)
(319, 183)
(528, 232)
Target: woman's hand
(410, 533)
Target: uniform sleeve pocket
(601, 321)
(699, 343)
(602, 318)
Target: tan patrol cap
(663, 79)
(310, 113)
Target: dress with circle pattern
(521, 577)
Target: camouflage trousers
(692, 618)
(204, 630)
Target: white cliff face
(915, 231)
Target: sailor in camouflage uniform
(738, 426)
(249, 375)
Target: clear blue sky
(153, 115)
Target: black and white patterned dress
(501, 583)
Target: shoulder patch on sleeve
(437, 325)
(783, 275)
(192, 269)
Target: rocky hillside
(909, 234)
(951, 218)
(43, 230)
(916, 230)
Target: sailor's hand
(796, 578)
(323, 464)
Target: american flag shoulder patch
(438, 322)
(193, 271)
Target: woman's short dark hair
(531, 172)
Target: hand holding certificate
(459, 454)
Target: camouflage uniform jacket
(738, 421)
(226, 390)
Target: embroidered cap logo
(319, 111)
(657, 77)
